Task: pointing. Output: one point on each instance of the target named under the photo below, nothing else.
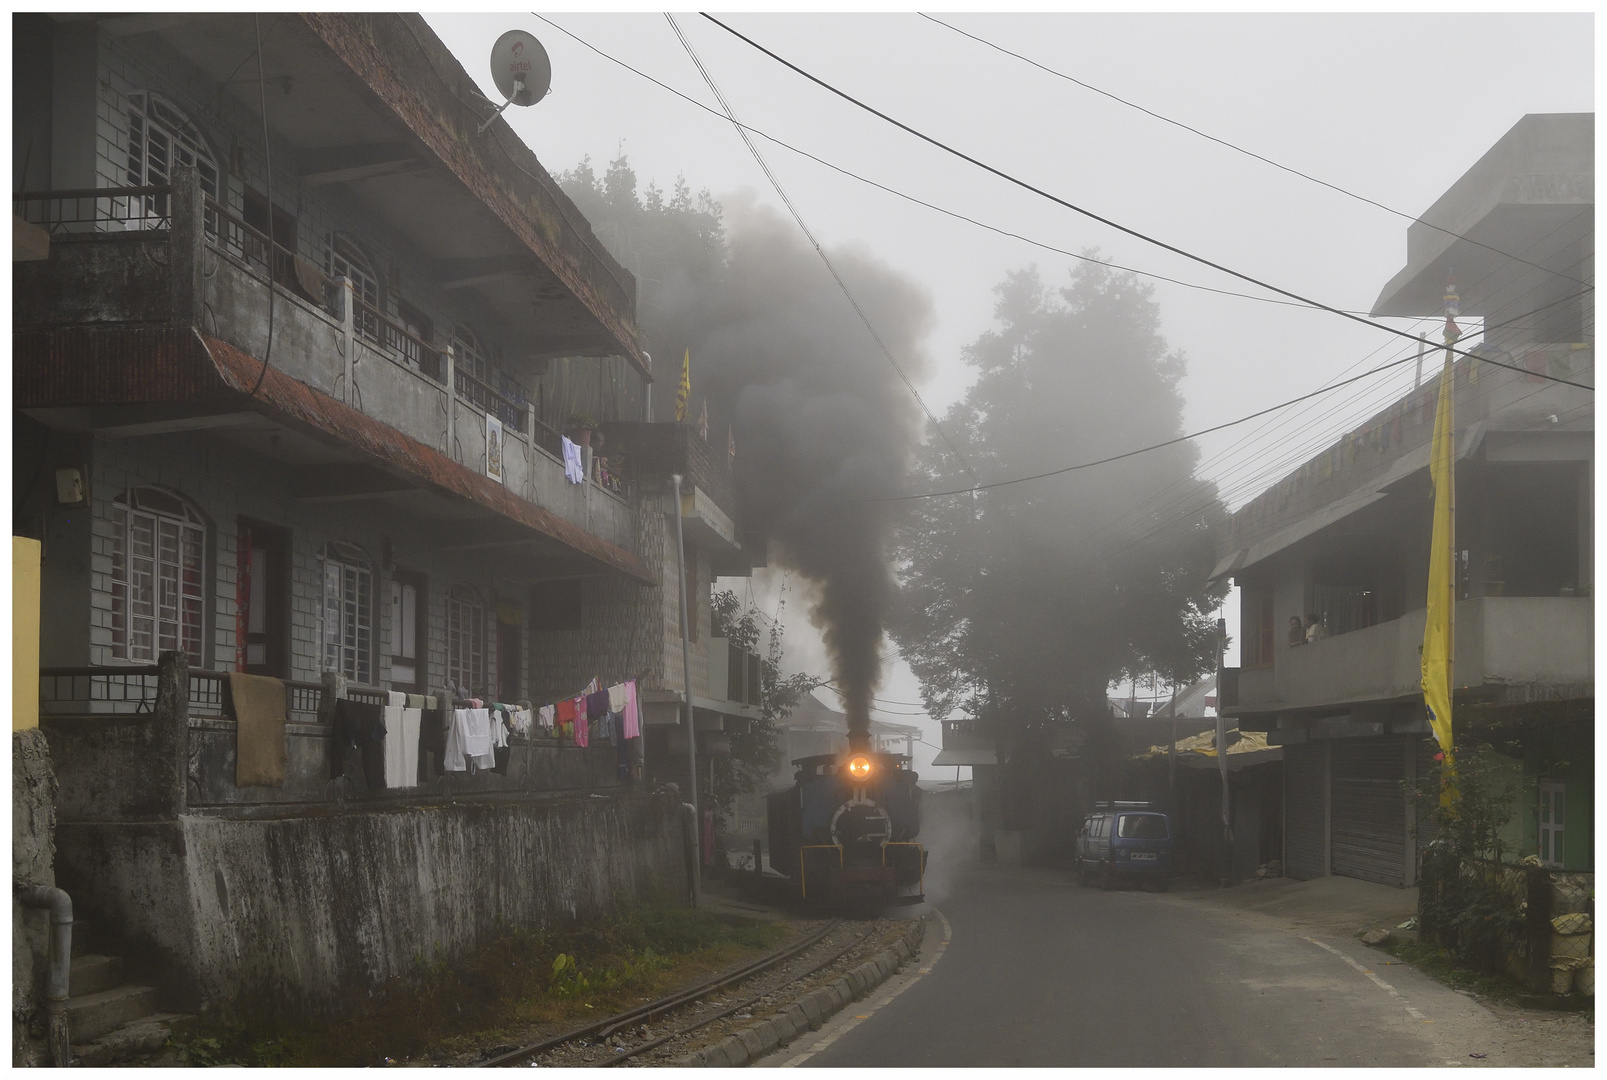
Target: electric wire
(819, 250)
(267, 153)
(918, 201)
(1242, 150)
(1085, 212)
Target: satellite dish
(520, 68)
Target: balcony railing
(130, 209)
(131, 691)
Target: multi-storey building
(1343, 542)
(296, 343)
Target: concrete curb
(806, 1013)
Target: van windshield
(1142, 827)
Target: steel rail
(609, 1024)
(618, 1059)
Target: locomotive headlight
(859, 768)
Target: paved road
(1040, 972)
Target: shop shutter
(1305, 829)
(1369, 809)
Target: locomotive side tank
(844, 833)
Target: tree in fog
(1023, 603)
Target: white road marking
(876, 1002)
(1394, 993)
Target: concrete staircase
(111, 1019)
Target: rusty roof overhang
(65, 369)
(530, 205)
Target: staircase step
(81, 937)
(93, 1015)
(135, 1039)
(92, 973)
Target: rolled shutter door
(1304, 827)
(1369, 809)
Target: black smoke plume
(823, 424)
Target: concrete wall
(33, 823)
(1499, 639)
(292, 913)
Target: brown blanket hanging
(259, 749)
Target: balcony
(144, 257)
(1538, 645)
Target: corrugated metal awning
(966, 757)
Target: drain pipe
(60, 906)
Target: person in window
(1297, 633)
(1315, 631)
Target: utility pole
(686, 672)
(1222, 756)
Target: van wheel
(1107, 877)
(1082, 874)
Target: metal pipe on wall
(57, 977)
(686, 671)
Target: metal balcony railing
(128, 209)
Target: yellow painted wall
(24, 633)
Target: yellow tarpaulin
(1204, 745)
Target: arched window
(160, 139)
(348, 260)
(465, 638)
(158, 576)
(470, 355)
(348, 612)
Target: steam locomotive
(844, 833)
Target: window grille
(1552, 794)
(345, 260)
(160, 139)
(465, 639)
(158, 576)
(348, 612)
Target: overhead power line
(1085, 212)
(819, 250)
(1239, 149)
(834, 167)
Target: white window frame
(347, 259)
(348, 613)
(159, 574)
(465, 639)
(161, 138)
(1552, 821)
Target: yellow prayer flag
(685, 391)
(1439, 633)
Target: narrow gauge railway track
(610, 1025)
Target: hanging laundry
(545, 717)
(395, 699)
(622, 758)
(564, 711)
(469, 740)
(361, 725)
(401, 745)
(597, 705)
(616, 698)
(582, 733)
(522, 719)
(633, 711)
(416, 701)
(574, 464)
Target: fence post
(173, 725)
(1537, 928)
(451, 403)
(186, 239)
(530, 451)
(348, 337)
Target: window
(158, 571)
(410, 348)
(347, 260)
(465, 639)
(469, 355)
(1257, 628)
(407, 610)
(160, 139)
(1141, 827)
(348, 612)
(1552, 794)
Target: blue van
(1125, 839)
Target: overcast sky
(1391, 107)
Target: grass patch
(516, 983)
(1438, 965)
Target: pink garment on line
(633, 711)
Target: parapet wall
(293, 914)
